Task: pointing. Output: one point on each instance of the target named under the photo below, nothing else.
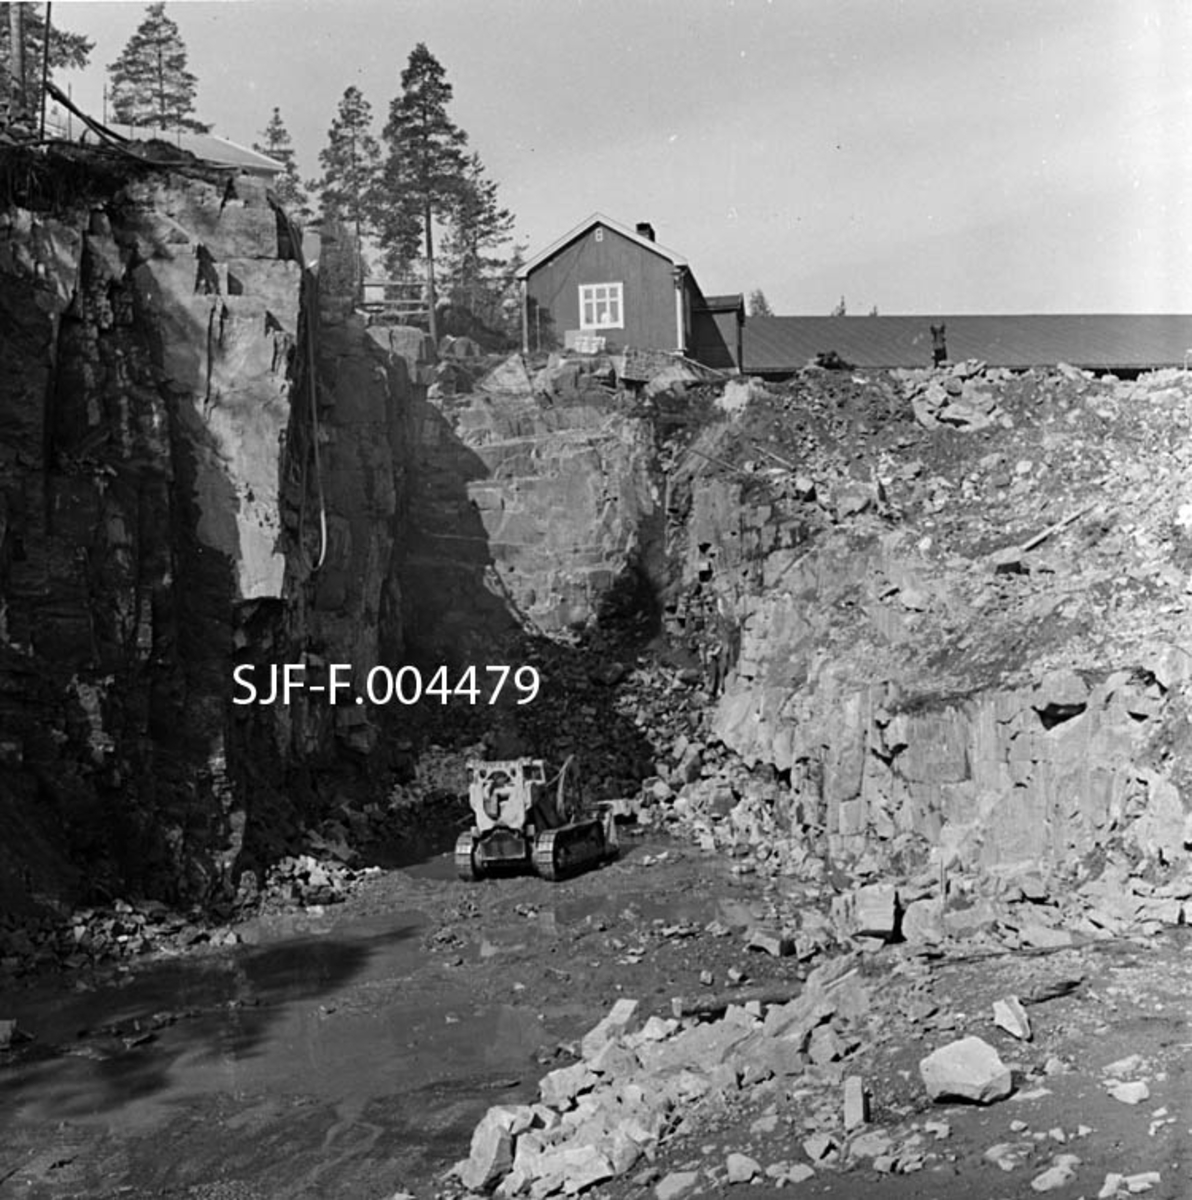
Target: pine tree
(477, 227)
(347, 187)
(275, 142)
(150, 82)
(70, 50)
(424, 170)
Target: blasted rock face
(968, 1069)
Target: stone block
(968, 1069)
(613, 1060)
(856, 1109)
(676, 1184)
(578, 1167)
(922, 922)
(1061, 692)
(824, 1045)
(1009, 1014)
(491, 1154)
(740, 1168)
(875, 910)
(819, 1146)
(773, 941)
(619, 1021)
(795, 1020)
(781, 1056)
(1134, 1092)
(1044, 936)
(1061, 1172)
(873, 1144)
(703, 1046)
(560, 1088)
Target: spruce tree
(350, 159)
(476, 229)
(69, 50)
(276, 144)
(150, 82)
(424, 169)
(759, 306)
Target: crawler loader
(523, 822)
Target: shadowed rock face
(208, 461)
(526, 512)
(160, 521)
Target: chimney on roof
(646, 230)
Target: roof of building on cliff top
(209, 147)
(212, 148)
(599, 219)
(1094, 342)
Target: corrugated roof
(1094, 341)
(599, 219)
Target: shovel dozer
(524, 822)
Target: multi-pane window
(600, 306)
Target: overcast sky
(924, 156)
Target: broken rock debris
(598, 1117)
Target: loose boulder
(969, 1069)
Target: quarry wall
(911, 672)
(531, 499)
(161, 523)
(208, 461)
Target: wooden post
(16, 37)
(45, 70)
(432, 317)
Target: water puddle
(339, 1011)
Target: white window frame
(602, 306)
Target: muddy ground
(347, 1052)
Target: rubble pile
(86, 938)
(784, 1082)
(637, 1081)
(965, 645)
(962, 396)
(89, 937)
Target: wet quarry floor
(342, 1052)
(348, 1053)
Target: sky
(920, 156)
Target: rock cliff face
(531, 501)
(977, 643)
(159, 523)
(940, 609)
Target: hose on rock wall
(312, 391)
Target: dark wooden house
(604, 286)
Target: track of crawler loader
(522, 823)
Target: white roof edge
(180, 137)
(265, 158)
(599, 219)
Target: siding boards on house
(648, 292)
